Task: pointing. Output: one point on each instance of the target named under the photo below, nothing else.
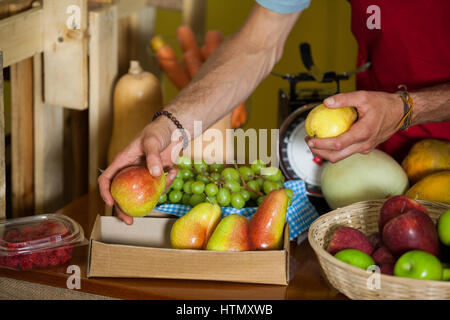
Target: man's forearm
(234, 70)
(431, 104)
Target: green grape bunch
(238, 187)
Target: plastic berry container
(38, 241)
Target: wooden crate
(65, 56)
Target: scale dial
(296, 159)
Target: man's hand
(150, 148)
(378, 116)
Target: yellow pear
(193, 230)
(324, 122)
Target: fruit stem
(246, 187)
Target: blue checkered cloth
(300, 214)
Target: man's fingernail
(310, 144)
(329, 101)
(155, 171)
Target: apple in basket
(419, 264)
(413, 230)
(349, 238)
(396, 206)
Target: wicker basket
(356, 283)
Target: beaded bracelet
(177, 124)
(406, 120)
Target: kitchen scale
(297, 162)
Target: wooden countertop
(306, 277)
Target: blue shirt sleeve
(284, 6)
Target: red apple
(396, 206)
(382, 256)
(375, 240)
(136, 191)
(387, 268)
(413, 230)
(349, 238)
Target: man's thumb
(341, 100)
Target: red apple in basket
(382, 255)
(375, 240)
(396, 206)
(387, 268)
(413, 230)
(349, 238)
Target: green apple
(418, 264)
(444, 228)
(446, 274)
(355, 257)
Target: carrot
(187, 41)
(168, 61)
(243, 116)
(239, 116)
(192, 62)
(213, 39)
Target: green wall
(325, 25)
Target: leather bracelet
(177, 124)
(406, 120)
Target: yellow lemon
(324, 122)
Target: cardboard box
(143, 250)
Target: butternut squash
(137, 96)
(426, 157)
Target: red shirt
(412, 47)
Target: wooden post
(22, 162)
(194, 15)
(22, 149)
(2, 146)
(49, 147)
(76, 146)
(135, 32)
(103, 68)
